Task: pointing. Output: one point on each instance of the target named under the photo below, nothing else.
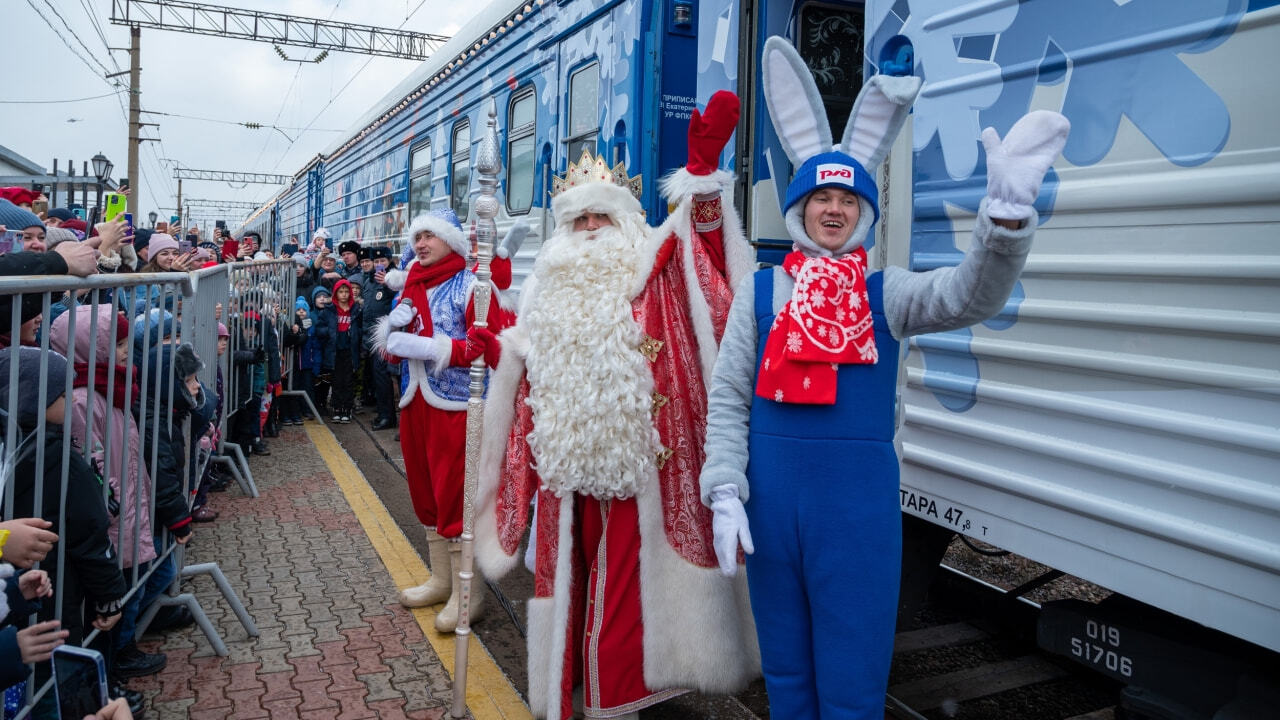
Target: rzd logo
(833, 172)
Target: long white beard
(590, 389)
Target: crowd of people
(124, 422)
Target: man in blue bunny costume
(801, 469)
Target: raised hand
(1016, 165)
(709, 132)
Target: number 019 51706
(1101, 648)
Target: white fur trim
(395, 279)
(593, 197)
(698, 627)
(679, 224)
(679, 184)
(443, 229)
(499, 414)
(554, 652)
(541, 634)
(381, 332)
(739, 256)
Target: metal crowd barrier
(162, 309)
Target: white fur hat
(443, 223)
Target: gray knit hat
(53, 236)
(28, 402)
(13, 217)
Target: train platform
(317, 560)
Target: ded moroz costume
(598, 408)
(433, 333)
(801, 409)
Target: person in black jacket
(248, 378)
(92, 575)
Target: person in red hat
(434, 333)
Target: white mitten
(401, 315)
(729, 527)
(434, 350)
(1016, 165)
(510, 244)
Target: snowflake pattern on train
(1013, 51)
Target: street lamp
(152, 217)
(101, 170)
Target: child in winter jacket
(344, 326)
(322, 302)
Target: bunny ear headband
(878, 115)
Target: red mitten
(500, 272)
(466, 351)
(492, 345)
(709, 131)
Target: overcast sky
(199, 76)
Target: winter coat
(133, 486)
(171, 510)
(344, 341)
(91, 570)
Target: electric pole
(135, 130)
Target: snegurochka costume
(801, 419)
(598, 408)
(433, 334)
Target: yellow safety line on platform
(489, 692)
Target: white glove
(510, 244)
(531, 552)
(729, 527)
(306, 323)
(1016, 165)
(401, 315)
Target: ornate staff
(488, 165)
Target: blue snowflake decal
(1118, 60)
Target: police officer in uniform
(377, 303)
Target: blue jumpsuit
(824, 515)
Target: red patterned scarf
(423, 278)
(826, 322)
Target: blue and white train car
(1120, 419)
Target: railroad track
(972, 655)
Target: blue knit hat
(13, 217)
(443, 223)
(832, 169)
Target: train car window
(520, 152)
(584, 122)
(420, 179)
(461, 170)
(830, 40)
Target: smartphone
(80, 680)
(162, 227)
(184, 246)
(10, 241)
(173, 219)
(40, 206)
(80, 213)
(128, 228)
(116, 204)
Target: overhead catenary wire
(56, 102)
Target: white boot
(447, 619)
(436, 588)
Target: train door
(830, 39)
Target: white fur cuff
(677, 185)
(395, 279)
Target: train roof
(486, 21)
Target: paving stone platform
(333, 642)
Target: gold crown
(591, 169)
